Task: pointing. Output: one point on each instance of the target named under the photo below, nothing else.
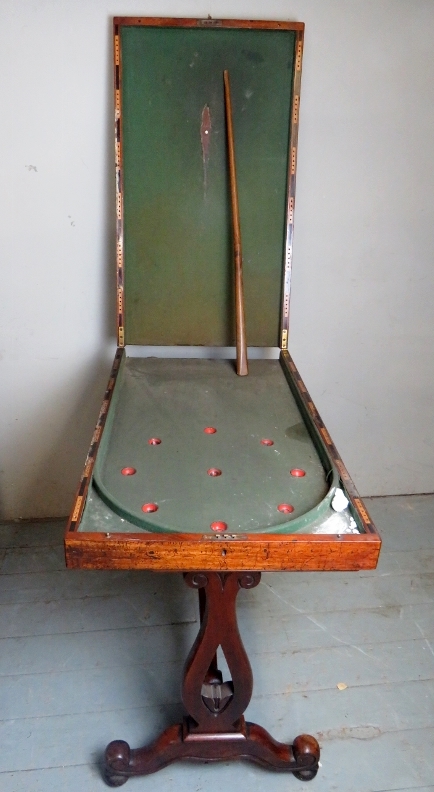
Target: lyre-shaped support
(219, 628)
(215, 727)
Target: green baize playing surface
(174, 401)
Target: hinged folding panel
(174, 231)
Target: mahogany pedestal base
(215, 728)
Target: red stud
(214, 472)
(209, 430)
(154, 441)
(267, 442)
(128, 471)
(149, 507)
(297, 472)
(285, 508)
(219, 526)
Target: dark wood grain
(218, 629)
(214, 728)
(176, 743)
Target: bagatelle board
(191, 467)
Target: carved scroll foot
(301, 758)
(306, 753)
(121, 762)
(116, 763)
(251, 742)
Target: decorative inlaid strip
(326, 436)
(80, 498)
(299, 55)
(120, 312)
(296, 106)
(331, 448)
(364, 514)
(77, 508)
(292, 157)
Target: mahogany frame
(189, 552)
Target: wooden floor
(87, 657)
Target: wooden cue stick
(240, 324)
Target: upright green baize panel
(178, 238)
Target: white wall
(362, 329)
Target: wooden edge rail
(180, 22)
(187, 552)
(192, 551)
(304, 400)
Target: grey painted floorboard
(61, 692)
(86, 657)
(332, 716)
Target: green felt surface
(174, 400)
(178, 238)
